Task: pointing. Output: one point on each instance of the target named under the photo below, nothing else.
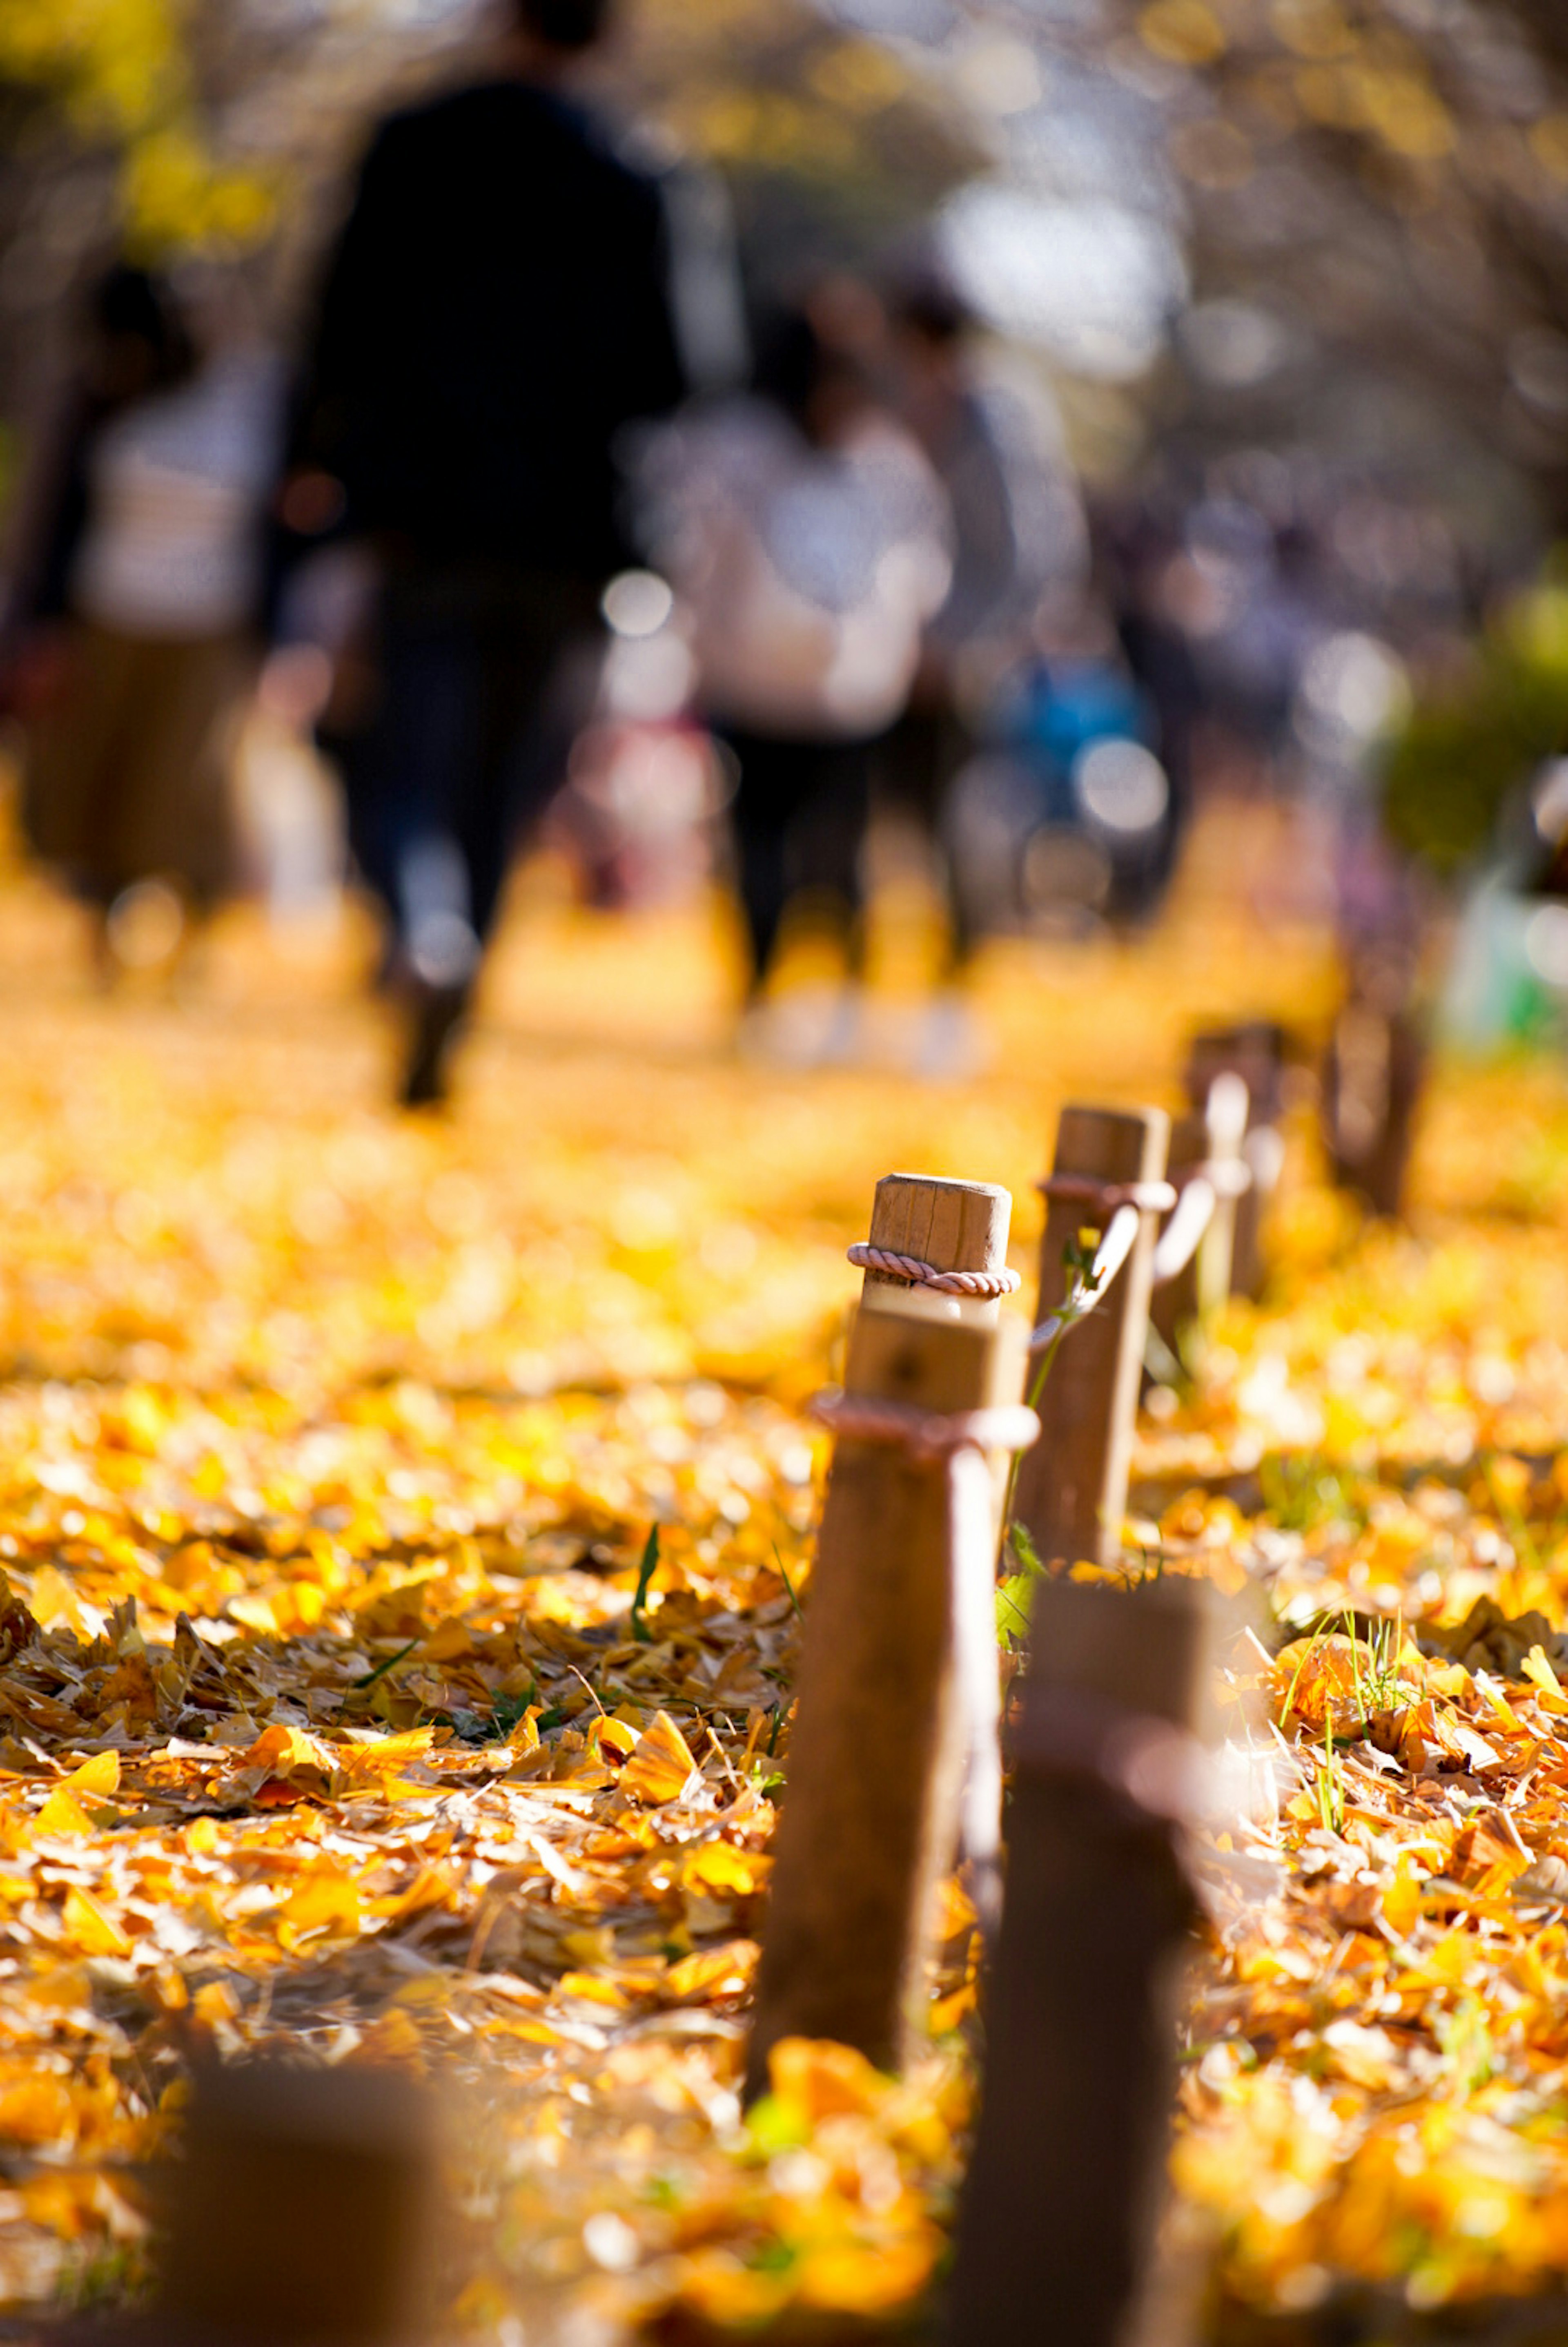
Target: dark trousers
(917, 761)
(464, 744)
(801, 810)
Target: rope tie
(918, 1274)
(1265, 1155)
(1228, 1177)
(1121, 1207)
(1192, 1199)
(1160, 1773)
(958, 1442)
(1200, 1189)
(1088, 1190)
(1184, 1234)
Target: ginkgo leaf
(718, 1867)
(383, 1756)
(325, 1901)
(62, 1813)
(90, 1928)
(1401, 1901)
(713, 1972)
(1548, 1686)
(660, 1766)
(284, 1750)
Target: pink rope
(1086, 1190)
(1149, 1764)
(918, 1274)
(928, 1435)
(1228, 1177)
(1184, 1234)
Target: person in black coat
(496, 312)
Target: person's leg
(916, 764)
(178, 815)
(955, 745)
(826, 834)
(540, 651)
(436, 703)
(403, 776)
(75, 748)
(500, 691)
(767, 798)
(406, 780)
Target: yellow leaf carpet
(345, 1705)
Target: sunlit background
(1286, 282)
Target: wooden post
(1372, 1081)
(303, 2210)
(1227, 1113)
(1065, 2187)
(952, 1226)
(1072, 1488)
(1255, 1051)
(869, 1812)
(1211, 1145)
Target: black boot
(436, 1013)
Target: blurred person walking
(1018, 534)
(130, 639)
(807, 536)
(1144, 582)
(497, 310)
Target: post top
(1113, 1145)
(1257, 1051)
(946, 1182)
(952, 1226)
(1145, 1647)
(341, 2164)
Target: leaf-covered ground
(343, 1703)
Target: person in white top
(130, 639)
(172, 550)
(807, 537)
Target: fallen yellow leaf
(325, 1901)
(284, 1750)
(1402, 1900)
(1537, 1670)
(91, 1931)
(662, 1766)
(865, 2277)
(712, 1971)
(822, 2079)
(62, 1813)
(718, 1867)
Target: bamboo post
(874, 1763)
(1072, 1487)
(303, 2210)
(1063, 2190)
